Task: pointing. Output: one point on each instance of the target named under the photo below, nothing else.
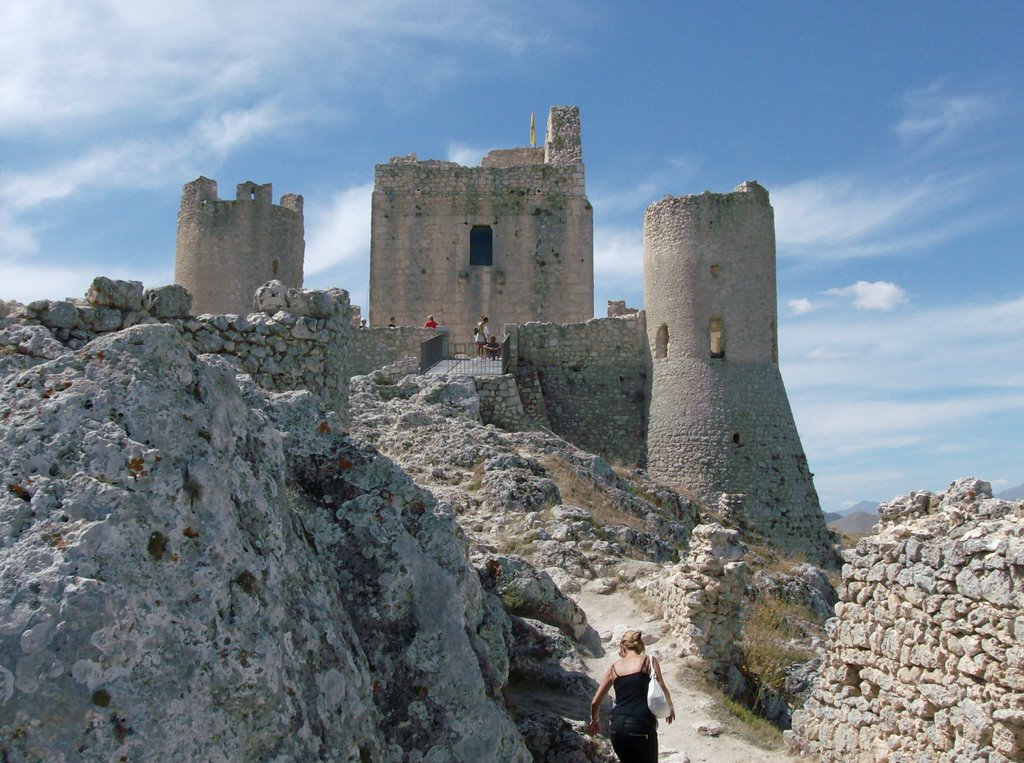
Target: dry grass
(477, 480)
(769, 631)
(579, 491)
(740, 719)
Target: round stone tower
(720, 428)
(227, 249)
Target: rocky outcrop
(925, 660)
(193, 574)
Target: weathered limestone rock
(182, 582)
(925, 659)
(528, 592)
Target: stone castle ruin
(689, 387)
(227, 249)
(511, 239)
(184, 483)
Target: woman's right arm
(595, 703)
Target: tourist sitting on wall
(493, 348)
(391, 323)
(431, 323)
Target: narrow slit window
(273, 267)
(717, 343)
(661, 342)
(481, 245)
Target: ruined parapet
(926, 654)
(226, 249)
(562, 143)
(296, 338)
(702, 598)
(617, 309)
(511, 239)
(719, 418)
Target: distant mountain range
(860, 506)
(858, 519)
(1012, 494)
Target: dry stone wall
(926, 660)
(593, 380)
(298, 339)
(701, 598)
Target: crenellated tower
(227, 249)
(720, 425)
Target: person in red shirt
(431, 323)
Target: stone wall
(593, 378)
(926, 659)
(226, 249)
(298, 339)
(701, 598)
(499, 402)
(541, 228)
(374, 348)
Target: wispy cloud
(845, 217)
(64, 61)
(934, 117)
(338, 232)
(933, 384)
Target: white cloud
(934, 118)
(877, 295)
(467, 156)
(338, 233)
(802, 306)
(619, 256)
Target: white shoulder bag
(656, 701)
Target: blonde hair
(633, 641)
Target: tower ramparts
(719, 419)
(226, 249)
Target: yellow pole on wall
(533, 131)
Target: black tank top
(631, 695)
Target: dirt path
(677, 742)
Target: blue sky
(889, 135)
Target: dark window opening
(717, 343)
(736, 439)
(481, 245)
(661, 342)
(273, 267)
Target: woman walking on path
(634, 729)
